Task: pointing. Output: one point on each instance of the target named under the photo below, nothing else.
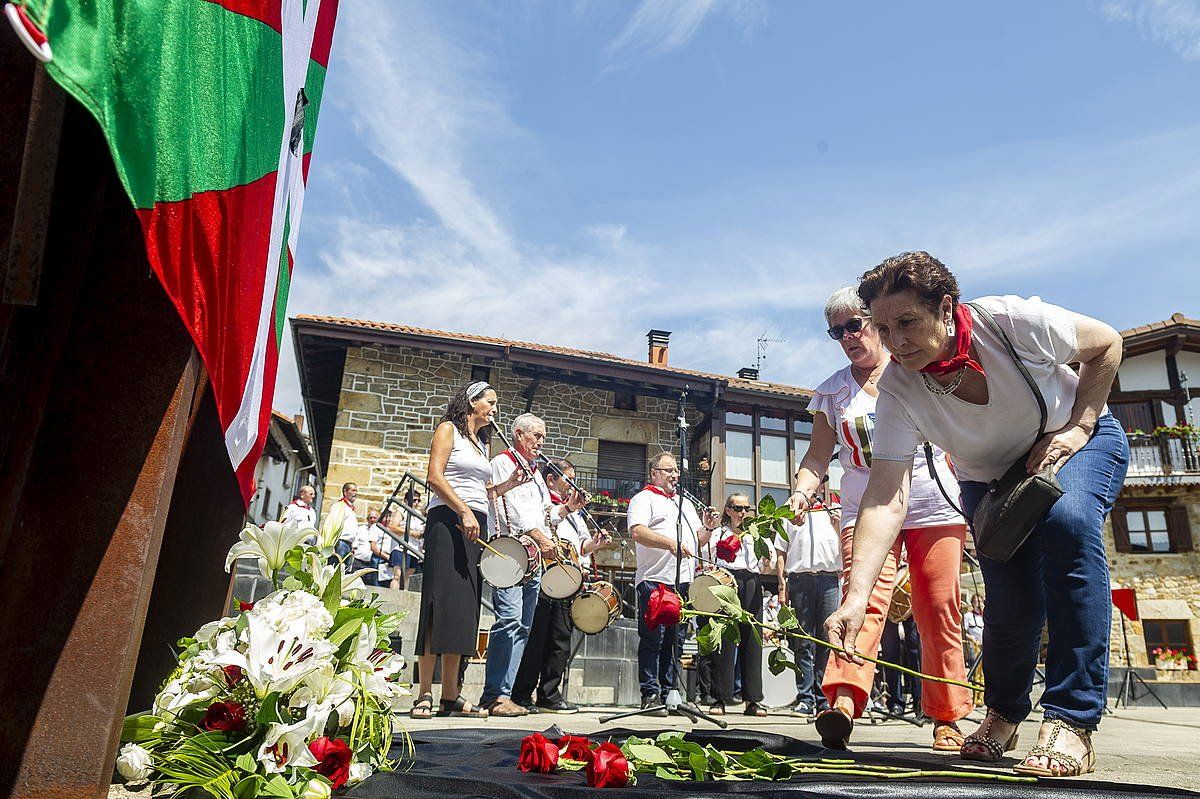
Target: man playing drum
(653, 514)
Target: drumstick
(493, 550)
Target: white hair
(526, 422)
(844, 300)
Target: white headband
(476, 389)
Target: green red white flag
(209, 108)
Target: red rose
(232, 674)
(334, 758)
(244, 606)
(575, 747)
(538, 754)
(663, 608)
(728, 547)
(607, 767)
(224, 717)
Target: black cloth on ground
(452, 586)
(482, 762)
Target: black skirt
(451, 586)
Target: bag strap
(995, 328)
(933, 471)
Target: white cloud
(1175, 23)
(660, 26)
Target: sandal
(1075, 767)
(717, 709)
(834, 726)
(460, 708)
(755, 709)
(423, 707)
(947, 737)
(993, 750)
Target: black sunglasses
(853, 326)
(740, 508)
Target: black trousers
(906, 653)
(749, 650)
(546, 653)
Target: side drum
(562, 579)
(516, 564)
(701, 593)
(596, 607)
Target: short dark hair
(347, 485)
(918, 272)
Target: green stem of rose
(799, 633)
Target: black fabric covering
(481, 762)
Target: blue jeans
(1059, 576)
(514, 609)
(814, 596)
(659, 649)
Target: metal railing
(624, 485)
(1163, 454)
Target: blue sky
(579, 172)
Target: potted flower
(603, 500)
(1173, 659)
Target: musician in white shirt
(652, 518)
(300, 511)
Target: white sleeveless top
(468, 472)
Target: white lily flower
(275, 660)
(316, 789)
(359, 772)
(324, 687)
(286, 745)
(134, 763)
(376, 666)
(269, 543)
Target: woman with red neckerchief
(843, 409)
(966, 382)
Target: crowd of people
(938, 399)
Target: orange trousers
(934, 562)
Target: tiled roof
(584, 355)
(1175, 320)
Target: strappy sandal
(1075, 767)
(755, 709)
(422, 708)
(834, 726)
(993, 750)
(459, 708)
(947, 737)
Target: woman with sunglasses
(843, 409)
(736, 550)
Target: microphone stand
(674, 703)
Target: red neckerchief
(518, 462)
(556, 499)
(962, 346)
(659, 491)
(349, 504)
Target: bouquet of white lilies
(291, 698)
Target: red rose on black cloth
(575, 747)
(607, 767)
(333, 757)
(663, 608)
(728, 547)
(224, 717)
(538, 754)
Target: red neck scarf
(349, 504)
(962, 346)
(659, 491)
(556, 499)
(520, 462)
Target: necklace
(936, 388)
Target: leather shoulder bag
(1017, 501)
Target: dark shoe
(754, 709)
(561, 706)
(804, 709)
(834, 727)
(653, 701)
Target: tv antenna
(763, 341)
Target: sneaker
(561, 706)
(506, 708)
(802, 709)
(653, 701)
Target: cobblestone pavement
(1139, 745)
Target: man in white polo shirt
(341, 523)
(653, 514)
(300, 511)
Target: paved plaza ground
(1138, 745)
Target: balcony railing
(624, 486)
(1164, 454)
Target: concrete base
(1173, 694)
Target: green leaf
(269, 712)
(766, 504)
(777, 661)
(571, 765)
(755, 758)
(699, 764)
(138, 728)
(247, 763)
(332, 598)
(247, 788)
(344, 632)
(717, 759)
(278, 787)
(710, 635)
(668, 774)
(787, 618)
(728, 600)
(648, 753)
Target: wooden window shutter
(1120, 530)
(1179, 529)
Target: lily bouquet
(291, 698)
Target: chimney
(748, 373)
(298, 420)
(659, 340)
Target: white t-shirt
(659, 513)
(745, 557)
(299, 513)
(573, 529)
(851, 413)
(386, 544)
(341, 522)
(524, 507)
(813, 546)
(985, 440)
(361, 543)
(467, 471)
